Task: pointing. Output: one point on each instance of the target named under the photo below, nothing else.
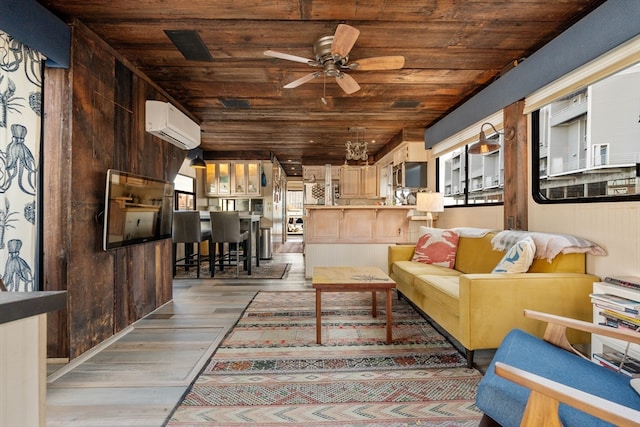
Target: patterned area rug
(266, 270)
(269, 371)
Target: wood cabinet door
(370, 181)
(350, 182)
(391, 226)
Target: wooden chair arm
(546, 395)
(555, 332)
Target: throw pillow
(437, 246)
(518, 258)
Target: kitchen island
(353, 235)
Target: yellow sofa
(477, 307)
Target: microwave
(410, 174)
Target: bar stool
(225, 228)
(187, 229)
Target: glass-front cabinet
(246, 178)
(233, 178)
(218, 179)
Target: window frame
(536, 193)
(466, 192)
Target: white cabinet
(246, 178)
(600, 344)
(315, 173)
(410, 152)
(218, 179)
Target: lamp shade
(198, 163)
(430, 202)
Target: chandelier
(357, 150)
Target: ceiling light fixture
(198, 163)
(196, 155)
(486, 145)
(357, 150)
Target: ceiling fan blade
(344, 39)
(347, 83)
(302, 80)
(288, 57)
(379, 63)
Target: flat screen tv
(138, 209)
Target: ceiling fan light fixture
(332, 55)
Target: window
(586, 145)
(472, 179)
(184, 192)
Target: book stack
(618, 312)
(626, 282)
(619, 362)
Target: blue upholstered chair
(557, 374)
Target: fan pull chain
(324, 89)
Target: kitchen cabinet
(358, 181)
(350, 182)
(233, 178)
(410, 152)
(315, 173)
(218, 179)
(246, 178)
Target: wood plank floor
(138, 377)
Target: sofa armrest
(399, 253)
(545, 396)
(492, 304)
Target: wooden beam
(515, 168)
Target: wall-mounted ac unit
(167, 122)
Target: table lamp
(430, 202)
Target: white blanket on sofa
(472, 231)
(548, 245)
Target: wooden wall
(94, 120)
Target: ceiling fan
(332, 54)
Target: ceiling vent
(170, 124)
(190, 45)
(405, 104)
(235, 103)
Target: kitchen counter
(356, 224)
(395, 207)
(354, 235)
(19, 305)
(23, 355)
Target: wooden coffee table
(351, 279)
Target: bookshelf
(600, 344)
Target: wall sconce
(486, 146)
(430, 202)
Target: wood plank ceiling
(452, 49)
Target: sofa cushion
(518, 259)
(408, 270)
(436, 246)
(443, 291)
(505, 401)
(476, 256)
(447, 284)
